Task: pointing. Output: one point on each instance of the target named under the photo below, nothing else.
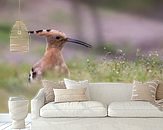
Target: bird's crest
(47, 32)
(58, 36)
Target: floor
(8, 126)
(5, 122)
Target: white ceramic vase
(18, 110)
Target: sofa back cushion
(110, 92)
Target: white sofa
(113, 111)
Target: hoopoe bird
(52, 59)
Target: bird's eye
(58, 37)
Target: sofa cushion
(74, 109)
(133, 109)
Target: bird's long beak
(79, 42)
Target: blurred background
(120, 32)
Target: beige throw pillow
(48, 89)
(159, 93)
(144, 91)
(70, 95)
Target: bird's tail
(32, 75)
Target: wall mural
(125, 43)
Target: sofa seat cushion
(74, 109)
(133, 109)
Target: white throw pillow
(72, 84)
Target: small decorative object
(18, 110)
(19, 38)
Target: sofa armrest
(36, 103)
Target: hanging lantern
(19, 38)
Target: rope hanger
(19, 37)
